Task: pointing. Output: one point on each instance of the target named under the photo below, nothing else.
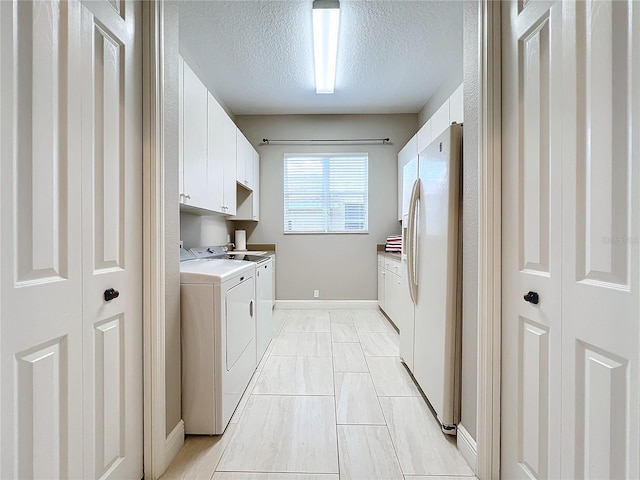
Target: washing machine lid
(212, 271)
(186, 255)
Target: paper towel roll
(241, 239)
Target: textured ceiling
(257, 55)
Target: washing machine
(264, 288)
(218, 327)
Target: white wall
(341, 266)
(198, 230)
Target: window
(326, 193)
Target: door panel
(40, 278)
(107, 153)
(112, 239)
(531, 345)
(601, 227)
(602, 141)
(533, 396)
(42, 415)
(110, 387)
(534, 75)
(40, 83)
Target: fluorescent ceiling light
(326, 19)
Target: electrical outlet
(316, 294)
(181, 244)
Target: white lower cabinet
(381, 282)
(264, 300)
(391, 295)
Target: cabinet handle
(251, 308)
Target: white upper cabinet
(194, 141)
(249, 200)
(214, 155)
(440, 120)
(424, 136)
(221, 166)
(456, 106)
(256, 186)
(244, 167)
(215, 161)
(408, 154)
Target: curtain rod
(343, 141)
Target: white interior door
(70, 205)
(112, 238)
(601, 240)
(531, 239)
(41, 275)
(570, 160)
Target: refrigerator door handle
(411, 234)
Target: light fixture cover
(326, 21)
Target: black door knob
(532, 297)
(110, 294)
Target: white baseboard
(174, 443)
(326, 304)
(468, 448)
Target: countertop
(380, 251)
(270, 248)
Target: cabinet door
(256, 186)
(215, 159)
(243, 153)
(390, 293)
(249, 168)
(194, 141)
(228, 151)
(440, 120)
(381, 275)
(456, 106)
(264, 298)
(381, 287)
(273, 275)
(424, 136)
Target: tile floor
(330, 400)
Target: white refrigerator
(430, 342)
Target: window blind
(326, 193)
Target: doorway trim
(153, 242)
(489, 240)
